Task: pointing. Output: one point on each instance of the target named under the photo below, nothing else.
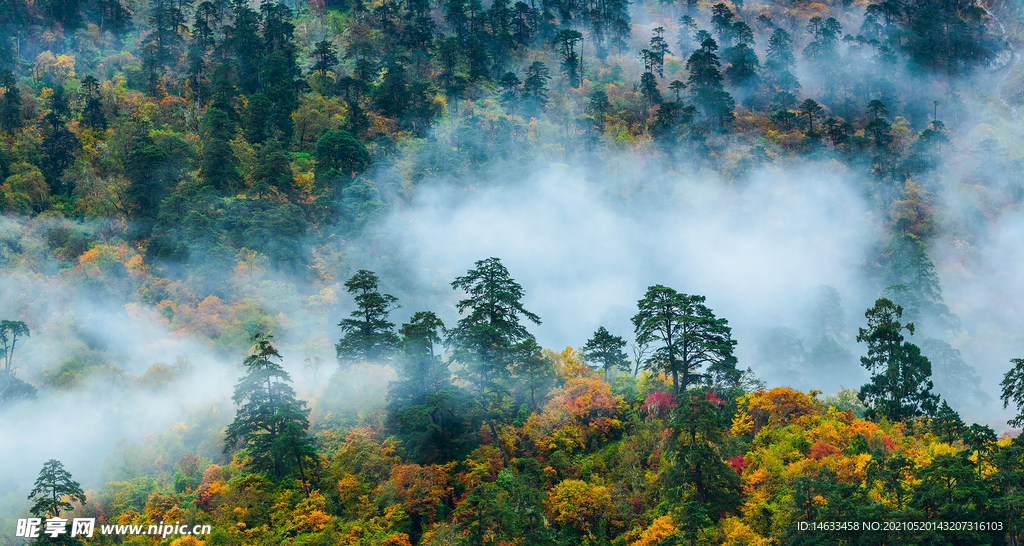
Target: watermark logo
(86, 527)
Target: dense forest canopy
(313, 272)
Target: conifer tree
(368, 335)
(54, 490)
(900, 385)
(491, 326)
(270, 423)
(605, 350)
(688, 336)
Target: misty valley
(512, 273)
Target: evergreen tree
(59, 144)
(980, 439)
(722, 18)
(326, 57)
(10, 105)
(779, 61)
(743, 65)
(270, 423)
(705, 80)
(947, 424)
(165, 42)
(532, 367)
(273, 170)
(900, 386)
(256, 118)
(565, 43)
(54, 490)
(954, 379)
(10, 331)
(688, 336)
(368, 335)
(698, 483)
(1013, 391)
(149, 173)
(811, 110)
(535, 87)
(605, 350)
(338, 155)
(431, 416)
(93, 115)
(219, 165)
(490, 328)
(243, 46)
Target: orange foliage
(660, 529)
(397, 539)
(421, 488)
(583, 411)
(775, 408)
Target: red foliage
(658, 404)
(823, 449)
(737, 463)
(889, 444)
(711, 396)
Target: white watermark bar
(86, 527)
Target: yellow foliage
(569, 363)
(58, 67)
(25, 190)
(775, 408)
(658, 530)
(577, 504)
(188, 540)
(738, 533)
(310, 515)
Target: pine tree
(605, 349)
(491, 327)
(59, 143)
(92, 114)
(900, 386)
(368, 335)
(219, 166)
(326, 57)
(273, 170)
(54, 490)
(530, 365)
(688, 335)
(1013, 391)
(270, 423)
(10, 106)
(10, 331)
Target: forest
(539, 273)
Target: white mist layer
(585, 255)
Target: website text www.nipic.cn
(86, 527)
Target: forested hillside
(312, 272)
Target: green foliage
(688, 337)
(605, 350)
(339, 154)
(10, 331)
(54, 491)
(900, 386)
(1013, 390)
(270, 423)
(368, 335)
(491, 327)
(219, 167)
